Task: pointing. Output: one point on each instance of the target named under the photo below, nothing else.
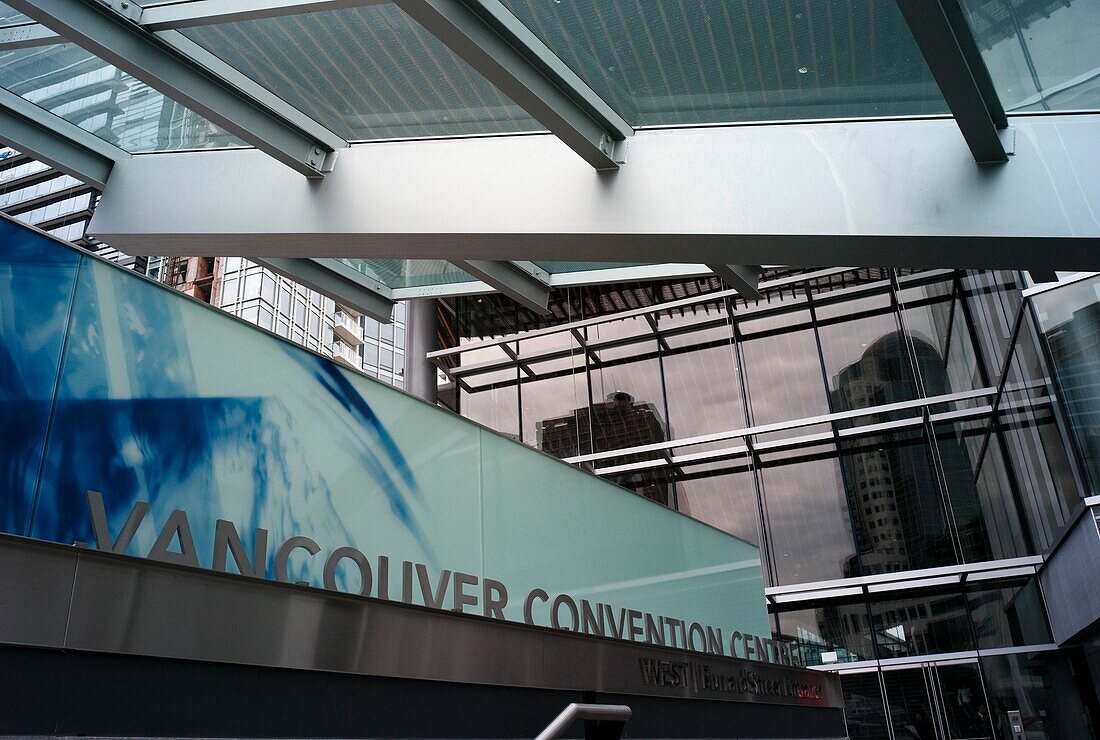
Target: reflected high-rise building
(890, 480)
(617, 422)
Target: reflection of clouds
(704, 392)
(724, 501)
(782, 377)
(809, 526)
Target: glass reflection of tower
(892, 491)
(616, 423)
(893, 495)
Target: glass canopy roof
(414, 278)
(371, 72)
(83, 89)
(662, 62)
(368, 71)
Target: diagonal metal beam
(62, 145)
(745, 279)
(336, 280)
(523, 283)
(973, 55)
(116, 39)
(488, 37)
(947, 44)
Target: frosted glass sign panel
(366, 73)
(660, 62)
(649, 558)
(226, 447)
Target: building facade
(311, 319)
(891, 440)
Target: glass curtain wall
(866, 423)
(843, 422)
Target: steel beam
(121, 42)
(948, 46)
(1044, 276)
(338, 281)
(745, 279)
(526, 284)
(488, 37)
(797, 194)
(64, 146)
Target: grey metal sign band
(74, 598)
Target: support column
(421, 328)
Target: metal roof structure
(388, 150)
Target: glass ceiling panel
(666, 62)
(1042, 54)
(11, 17)
(410, 273)
(366, 73)
(83, 89)
(555, 267)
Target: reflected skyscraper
(890, 480)
(619, 421)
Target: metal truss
(112, 33)
(64, 146)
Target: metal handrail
(616, 715)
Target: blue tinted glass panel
(553, 267)
(35, 294)
(661, 62)
(11, 17)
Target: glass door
(963, 707)
(909, 698)
(938, 701)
